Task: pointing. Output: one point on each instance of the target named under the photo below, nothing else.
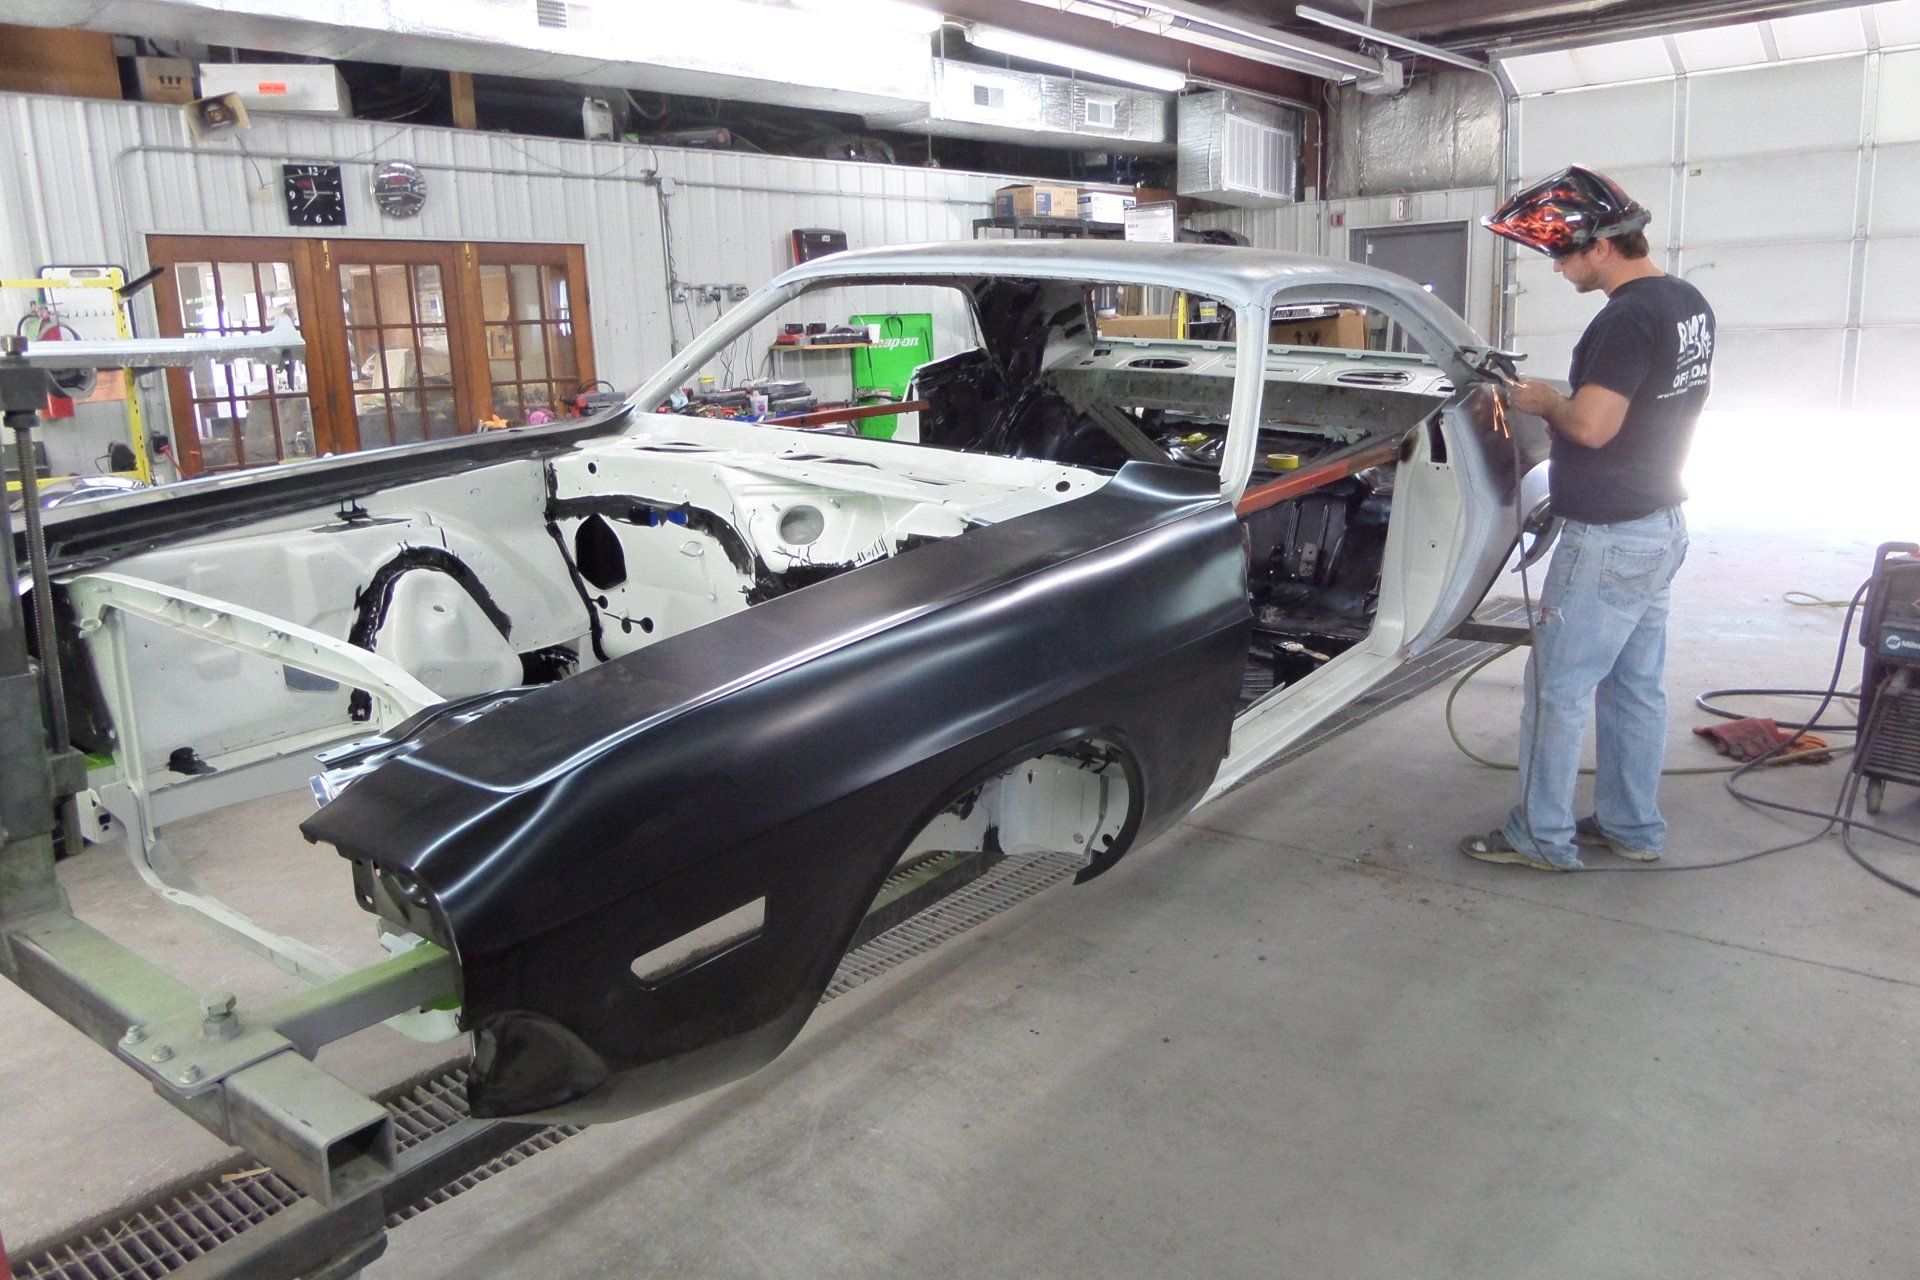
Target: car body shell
(786, 756)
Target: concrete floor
(1299, 1035)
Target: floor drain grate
(182, 1226)
(1009, 882)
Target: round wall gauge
(399, 189)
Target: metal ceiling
(1480, 25)
(1789, 38)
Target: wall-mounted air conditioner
(1235, 149)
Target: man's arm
(1592, 416)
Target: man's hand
(1535, 397)
(1591, 417)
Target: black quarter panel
(790, 752)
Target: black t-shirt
(1653, 343)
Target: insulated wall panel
(1888, 357)
(1795, 286)
(1893, 281)
(1792, 107)
(1776, 368)
(1896, 191)
(1623, 127)
(1739, 200)
(1543, 303)
(1899, 107)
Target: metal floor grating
(1009, 882)
(184, 1225)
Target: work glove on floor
(1751, 737)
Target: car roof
(1227, 272)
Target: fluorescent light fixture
(897, 14)
(1210, 29)
(1388, 38)
(1018, 44)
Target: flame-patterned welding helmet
(1567, 212)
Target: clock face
(315, 195)
(399, 189)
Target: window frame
(172, 251)
(315, 264)
(571, 261)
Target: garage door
(1782, 163)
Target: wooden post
(461, 84)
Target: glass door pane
(531, 356)
(399, 350)
(243, 413)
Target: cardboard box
(1037, 200)
(168, 80)
(1137, 326)
(1345, 328)
(1104, 206)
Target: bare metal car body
(596, 724)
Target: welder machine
(1889, 740)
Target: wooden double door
(407, 341)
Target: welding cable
(1501, 425)
(1773, 755)
(1827, 696)
(1677, 771)
(1857, 776)
(1706, 703)
(1841, 815)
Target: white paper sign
(1156, 223)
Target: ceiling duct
(770, 53)
(993, 104)
(1238, 150)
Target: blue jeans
(1600, 641)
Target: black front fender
(787, 755)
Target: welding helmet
(1567, 212)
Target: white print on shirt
(1696, 354)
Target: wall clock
(315, 195)
(399, 189)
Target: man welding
(1639, 377)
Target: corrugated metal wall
(1310, 228)
(85, 181)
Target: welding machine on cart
(1889, 742)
